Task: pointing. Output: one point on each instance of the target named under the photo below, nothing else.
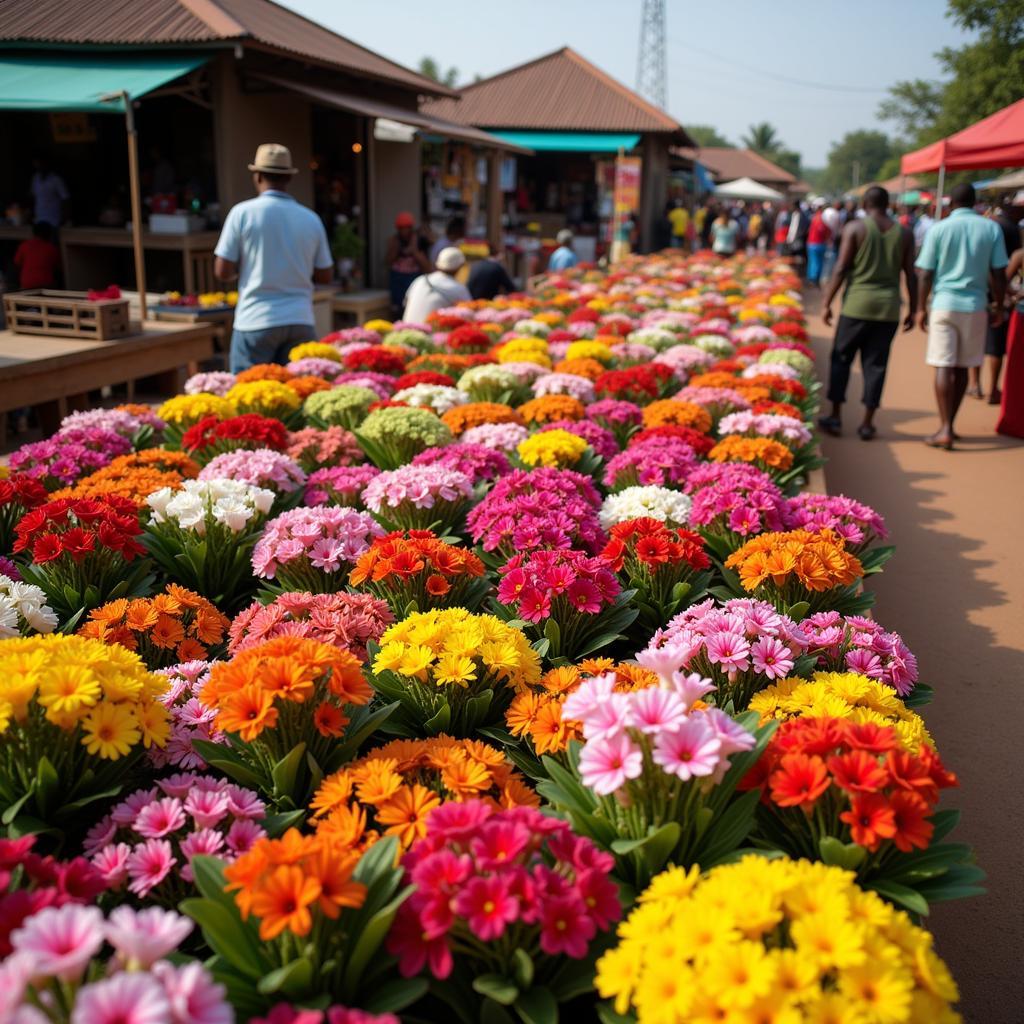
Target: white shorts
(956, 339)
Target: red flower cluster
(639, 384)
(410, 380)
(780, 386)
(584, 315)
(78, 527)
(778, 409)
(856, 777)
(651, 543)
(701, 443)
(43, 882)
(211, 436)
(787, 329)
(446, 321)
(18, 494)
(468, 339)
(387, 403)
(375, 359)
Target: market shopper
(277, 249)
(1011, 412)
(488, 278)
(724, 231)
(962, 258)
(438, 289)
(818, 237)
(679, 218)
(873, 252)
(563, 258)
(454, 233)
(50, 196)
(408, 256)
(37, 258)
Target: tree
(913, 106)
(787, 159)
(429, 68)
(707, 135)
(763, 138)
(856, 159)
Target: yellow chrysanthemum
(110, 731)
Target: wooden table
(78, 245)
(42, 371)
(364, 305)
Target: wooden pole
(939, 191)
(494, 201)
(136, 201)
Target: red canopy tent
(997, 141)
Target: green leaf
(606, 1015)
(292, 980)
(47, 786)
(553, 633)
(394, 995)
(227, 936)
(522, 968)
(655, 847)
(369, 942)
(901, 894)
(839, 854)
(285, 771)
(799, 610)
(11, 811)
(494, 1013)
(277, 824)
(537, 1006)
(439, 722)
(497, 987)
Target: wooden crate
(65, 314)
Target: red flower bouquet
(18, 494)
(211, 436)
(640, 384)
(376, 359)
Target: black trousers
(872, 339)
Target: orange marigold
(474, 414)
(264, 371)
(762, 451)
(674, 411)
(549, 408)
(307, 385)
(589, 368)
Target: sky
(726, 58)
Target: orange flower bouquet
(800, 572)
(294, 710)
(773, 457)
(415, 570)
(177, 625)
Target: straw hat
(273, 158)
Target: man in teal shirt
(962, 257)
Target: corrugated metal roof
(729, 164)
(172, 22)
(560, 91)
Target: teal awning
(70, 81)
(571, 142)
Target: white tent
(746, 188)
(1015, 179)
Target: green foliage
(708, 135)
(762, 138)
(868, 149)
(429, 68)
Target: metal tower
(650, 60)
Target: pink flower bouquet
(339, 485)
(419, 498)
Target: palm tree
(762, 138)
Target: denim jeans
(269, 345)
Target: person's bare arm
(423, 260)
(910, 278)
(848, 242)
(924, 281)
(997, 283)
(1014, 268)
(224, 270)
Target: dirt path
(955, 591)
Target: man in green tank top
(873, 251)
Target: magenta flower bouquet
(858, 524)
(260, 467)
(140, 425)
(742, 646)
(570, 603)
(419, 498)
(190, 720)
(658, 461)
(719, 402)
(286, 1013)
(58, 972)
(348, 621)
(509, 907)
(339, 485)
(69, 455)
(146, 843)
(312, 549)
(601, 440)
(480, 462)
(502, 437)
(654, 781)
(622, 418)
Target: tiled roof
(729, 164)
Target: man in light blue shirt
(277, 249)
(563, 258)
(962, 257)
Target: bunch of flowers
(216, 382)
(189, 719)
(800, 571)
(846, 793)
(393, 437)
(147, 841)
(202, 536)
(784, 429)
(665, 566)
(68, 455)
(211, 436)
(316, 366)
(660, 503)
(138, 423)
(770, 456)
(348, 621)
(55, 974)
(283, 695)
(620, 417)
(675, 412)
(553, 448)
(261, 467)
(497, 889)
(135, 477)
(632, 353)
(847, 695)
(311, 549)
(491, 383)
(525, 350)
(468, 338)
(345, 406)
(683, 359)
(285, 1013)
(713, 343)
(601, 441)
(314, 350)
(792, 357)
(263, 371)
(771, 369)
(382, 384)
(307, 385)
(551, 408)
(733, 501)
(395, 787)
(856, 644)
(503, 437)
(539, 509)
(719, 401)
(376, 359)
(408, 380)
(82, 552)
(452, 671)
(639, 384)
(476, 414)
(419, 497)
(339, 485)
(23, 609)
(183, 411)
(477, 461)
(587, 349)
(176, 625)
(748, 940)
(416, 570)
(569, 599)
(265, 398)
(573, 385)
(741, 646)
(438, 397)
(314, 449)
(858, 524)
(75, 716)
(18, 494)
(659, 461)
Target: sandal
(935, 442)
(865, 433)
(831, 425)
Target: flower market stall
(502, 668)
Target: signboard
(626, 202)
(71, 126)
